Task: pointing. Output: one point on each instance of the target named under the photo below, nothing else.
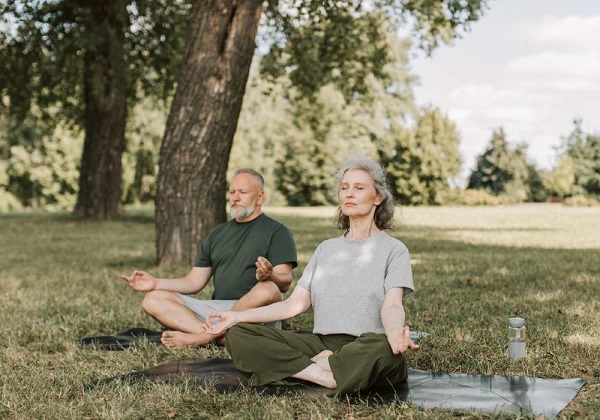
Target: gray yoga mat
(491, 394)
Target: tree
(423, 161)
(537, 189)
(560, 180)
(584, 151)
(90, 58)
(493, 172)
(42, 172)
(503, 170)
(314, 42)
(326, 131)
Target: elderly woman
(355, 283)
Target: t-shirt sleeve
(309, 271)
(282, 248)
(203, 259)
(398, 271)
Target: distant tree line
(297, 145)
(505, 175)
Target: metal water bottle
(516, 338)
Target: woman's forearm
(392, 318)
(274, 312)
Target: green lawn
(473, 269)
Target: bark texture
(105, 95)
(191, 190)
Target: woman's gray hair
(384, 213)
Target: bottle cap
(516, 322)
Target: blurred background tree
(424, 161)
(583, 149)
(505, 171)
(83, 65)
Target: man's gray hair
(384, 214)
(252, 172)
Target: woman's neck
(362, 229)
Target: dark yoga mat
(123, 340)
(450, 391)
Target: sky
(529, 66)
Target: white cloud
(522, 112)
(571, 64)
(567, 32)
(563, 52)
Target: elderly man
(250, 258)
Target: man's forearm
(193, 282)
(180, 285)
(283, 280)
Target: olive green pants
(265, 354)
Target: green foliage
(317, 43)
(41, 166)
(39, 161)
(504, 171)
(298, 142)
(480, 198)
(327, 133)
(8, 202)
(308, 139)
(329, 43)
(560, 180)
(140, 160)
(422, 161)
(493, 169)
(537, 190)
(581, 200)
(584, 151)
(43, 46)
(263, 127)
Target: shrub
(480, 198)
(8, 202)
(581, 201)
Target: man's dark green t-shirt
(231, 249)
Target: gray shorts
(203, 308)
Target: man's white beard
(242, 212)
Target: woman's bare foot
(316, 374)
(178, 339)
(324, 353)
(322, 359)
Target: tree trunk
(105, 95)
(191, 190)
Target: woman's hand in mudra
(400, 341)
(220, 322)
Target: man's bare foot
(322, 359)
(178, 339)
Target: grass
(473, 269)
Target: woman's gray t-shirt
(348, 279)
